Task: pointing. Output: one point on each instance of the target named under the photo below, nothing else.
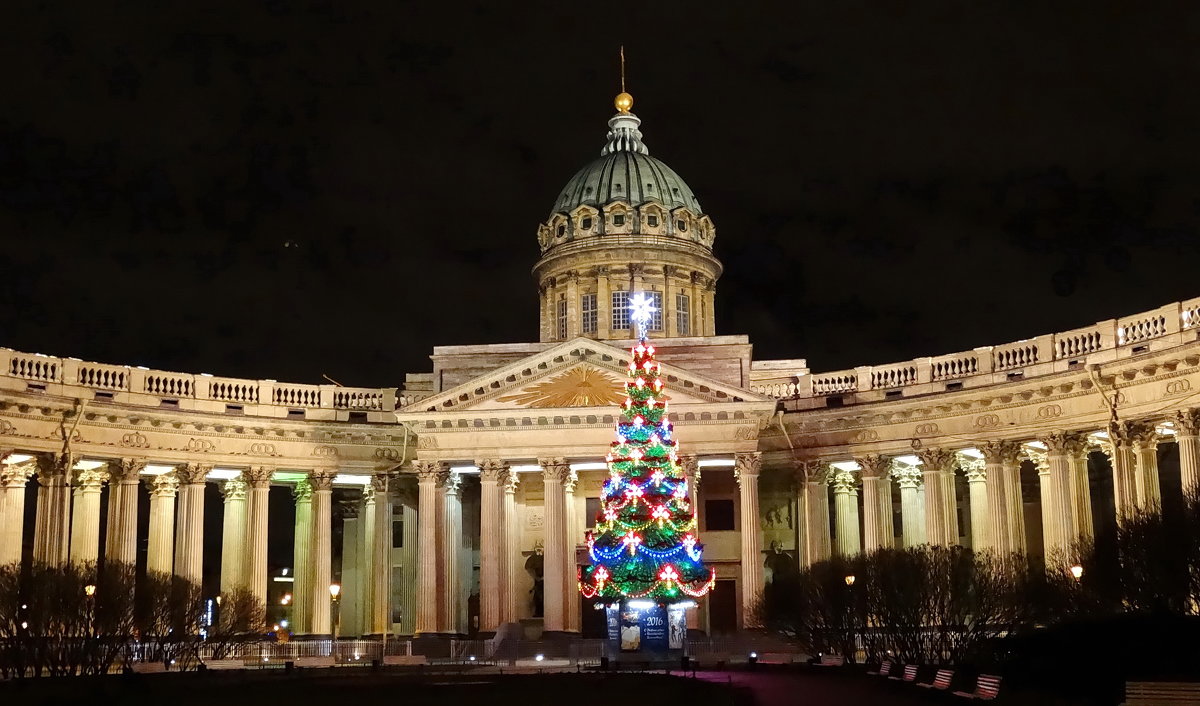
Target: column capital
(492, 470)
(16, 475)
(1187, 422)
(570, 481)
(813, 471)
(126, 470)
(906, 476)
(258, 476)
(321, 480)
(872, 465)
(842, 481)
(451, 482)
(192, 473)
(234, 489)
(91, 480)
(555, 469)
(163, 485)
(512, 479)
(53, 466)
(430, 471)
(972, 467)
(1062, 443)
(689, 464)
(1143, 435)
(1039, 457)
(746, 464)
(936, 460)
(368, 494)
(1002, 451)
(302, 491)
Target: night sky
(280, 190)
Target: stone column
(1145, 479)
(120, 541)
(163, 489)
(53, 520)
(603, 303)
(845, 505)
(1119, 449)
(912, 520)
(254, 573)
(189, 531)
(1058, 521)
(941, 501)
(491, 543)
(407, 593)
(1187, 434)
(574, 323)
(694, 289)
(366, 559)
(85, 520)
(670, 330)
(1081, 492)
(572, 617)
(813, 476)
(380, 611)
(233, 535)
(1000, 457)
(13, 479)
(878, 529)
(554, 473)
(302, 576)
(450, 554)
(1041, 463)
(690, 466)
(981, 526)
(429, 476)
(745, 472)
(320, 546)
(511, 549)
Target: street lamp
(1077, 572)
(90, 589)
(850, 580)
(335, 590)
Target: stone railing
(122, 384)
(1164, 327)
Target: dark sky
(284, 190)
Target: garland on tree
(644, 544)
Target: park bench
(831, 661)
(1148, 693)
(311, 662)
(148, 667)
(941, 681)
(884, 669)
(987, 687)
(910, 674)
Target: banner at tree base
(647, 627)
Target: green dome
(626, 172)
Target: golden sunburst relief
(583, 386)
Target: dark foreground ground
(345, 687)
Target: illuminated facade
(462, 496)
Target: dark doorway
(722, 608)
(593, 624)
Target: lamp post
(1077, 572)
(850, 580)
(335, 590)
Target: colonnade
(67, 527)
(992, 469)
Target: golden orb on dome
(624, 102)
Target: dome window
(562, 229)
(618, 219)
(675, 191)
(617, 186)
(586, 223)
(649, 186)
(681, 225)
(652, 221)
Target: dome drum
(622, 218)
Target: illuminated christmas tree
(645, 543)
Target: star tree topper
(641, 312)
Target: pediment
(581, 373)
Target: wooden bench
(831, 661)
(884, 669)
(987, 687)
(314, 662)
(1148, 693)
(224, 664)
(910, 674)
(941, 681)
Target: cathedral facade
(457, 503)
